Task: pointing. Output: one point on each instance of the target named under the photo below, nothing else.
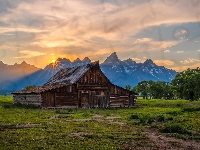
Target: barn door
(83, 99)
(99, 99)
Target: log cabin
(77, 87)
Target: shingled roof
(61, 78)
(70, 75)
(38, 89)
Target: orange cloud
(164, 62)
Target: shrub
(174, 113)
(174, 128)
(134, 116)
(160, 118)
(146, 119)
(192, 109)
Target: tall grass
(96, 128)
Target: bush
(174, 113)
(134, 116)
(194, 106)
(160, 118)
(174, 128)
(146, 119)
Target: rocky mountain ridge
(120, 72)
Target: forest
(184, 86)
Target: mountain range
(17, 76)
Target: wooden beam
(92, 88)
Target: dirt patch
(78, 120)
(59, 116)
(97, 116)
(21, 126)
(113, 117)
(170, 143)
(79, 134)
(119, 123)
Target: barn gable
(70, 75)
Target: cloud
(153, 45)
(167, 51)
(179, 52)
(136, 59)
(164, 62)
(29, 54)
(182, 68)
(198, 50)
(190, 60)
(182, 32)
(91, 28)
(143, 40)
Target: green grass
(96, 128)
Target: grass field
(152, 124)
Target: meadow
(151, 124)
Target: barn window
(85, 79)
(70, 88)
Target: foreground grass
(23, 127)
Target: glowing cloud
(167, 51)
(29, 54)
(164, 62)
(190, 60)
(179, 52)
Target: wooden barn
(83, 87)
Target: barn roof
(70, 75)
(38, 89)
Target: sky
(166, 31)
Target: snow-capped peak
(112, 59)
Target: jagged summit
(86, 59)
(77, 60)
(113, 58)
(63, 60)
(129, 62)
(1, 63)
(24, 63)
(148, 61)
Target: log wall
(61, 97)
(28, 99)
(94, 76)
(120, 97)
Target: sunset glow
(162, 31)
(53, 61)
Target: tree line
(186, 85)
